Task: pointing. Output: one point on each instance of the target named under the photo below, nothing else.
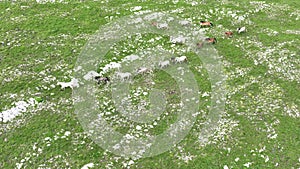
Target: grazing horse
(211, 40)
(199, 44)
(143, 70)
(206, 24)
(164, 64)
(229, 34)
(124, 76)
(184, 22)
(206, 41)
(160, 25)
(179, 59)
(72, 84)
(102, 79)
(241, 29)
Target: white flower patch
(45, 1)
(265, 157)
(18, 19)
(127, 164)
(169, 19)
(220, 132)
(296, 13)
(280, 61)
(223, 129)
(138, 127)
(238, 19)
(241, 18)
(193, 3)
(270, 32)
(271, 130)
(67, 133)
(175, 1)
(19, 165)
(276, 10)
(259, 5)
(205, 94)
(184, 22)
(261, 153)
(184, 156)
(292, 110)
(248, 164)
(142, 12)
(178, 10)
(296, 32)
(87, 166)
(136, 8)
(13, 73)
(267, 102)
(238, 73)
(37, 150)
(20, 107)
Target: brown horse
(206, 41)
(229, 34)
(206, 24)
(211, 40)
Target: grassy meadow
(40, 42)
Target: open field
(40, 42)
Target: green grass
(49, 37)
